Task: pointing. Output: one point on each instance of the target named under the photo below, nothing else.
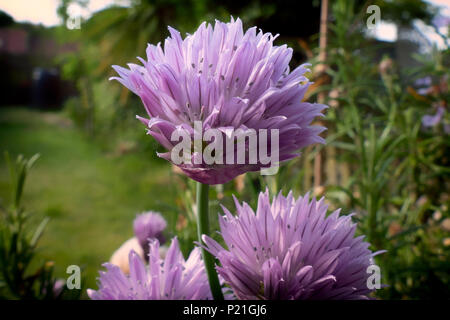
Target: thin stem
(203, 228)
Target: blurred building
(30, 74)
(13, 41)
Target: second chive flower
(290, 249)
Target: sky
(44, 12)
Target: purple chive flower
(425, 81)
(441, 21)
(58, 287)
(432, 120)
(424, 85)
(149, 225)
(170, 279)
(290, 250)
(227, 79)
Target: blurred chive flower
(433, 120)
(289, 249)
(149, 225)
(227, 79)
(170, 279)
(441, 21)
(424, 84)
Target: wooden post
(320, 69)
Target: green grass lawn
(90, 195)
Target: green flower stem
(203, 228)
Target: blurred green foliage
(18, 244)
